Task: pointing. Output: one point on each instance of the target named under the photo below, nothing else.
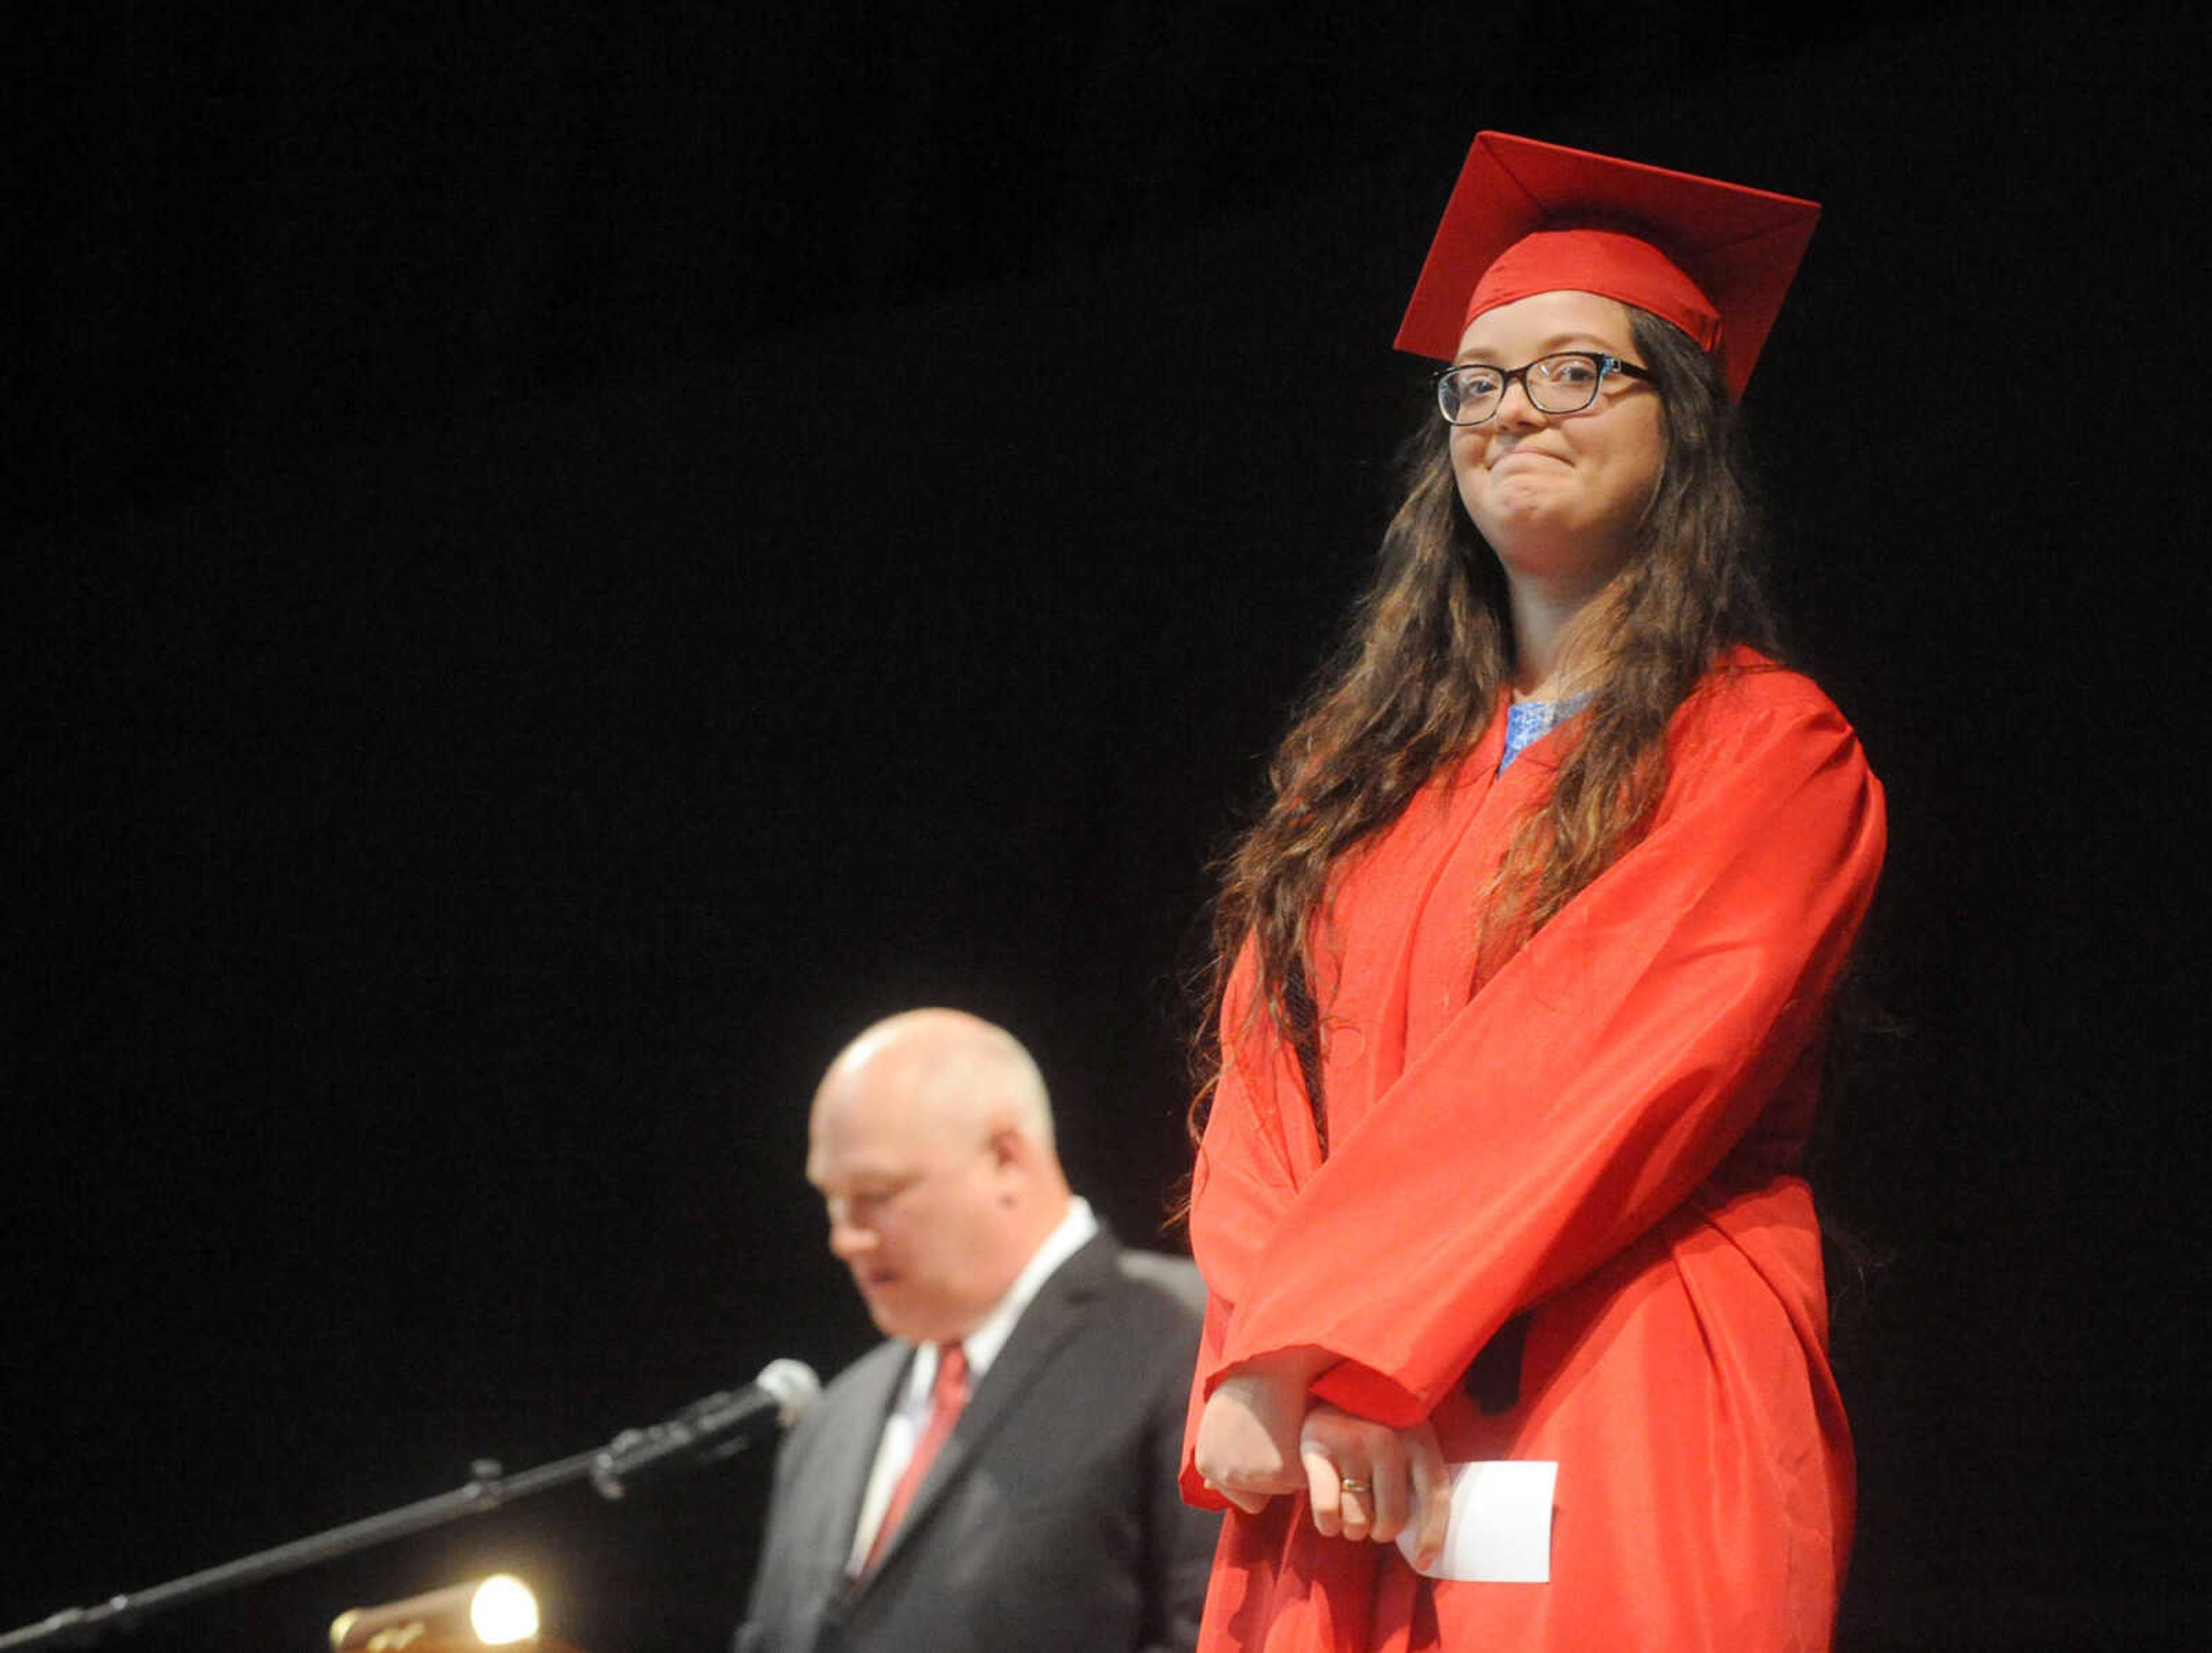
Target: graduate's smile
(1535, 459)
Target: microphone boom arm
(706, 1432)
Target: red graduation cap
(1527, 217)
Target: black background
(568, 557)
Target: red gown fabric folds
(1599, 1129)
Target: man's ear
(1008, 1147)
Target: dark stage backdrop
(568, 559)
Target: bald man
(1000, 1474)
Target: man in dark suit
(1001, 1474)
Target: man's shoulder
(1148, 1295)
(1104, 1266)
(1156, 1272)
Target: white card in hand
(1501, 1524)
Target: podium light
(495, 1611)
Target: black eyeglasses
(1567, 382)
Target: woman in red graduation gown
(1526, 976)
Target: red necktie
(947, 1395)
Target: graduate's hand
(1247, 1437)
(1397, 1474)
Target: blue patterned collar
(1528, 721)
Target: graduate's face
(1557, 497)
(917, 1198)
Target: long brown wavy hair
(1417, 676)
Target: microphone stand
(706, 1432)
(487, 1490)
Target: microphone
(710, 1430)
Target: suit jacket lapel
(845, 1477)
(1048, 1322)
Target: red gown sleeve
(1586, 1091)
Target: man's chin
(910, 1328)
(890, 1322)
